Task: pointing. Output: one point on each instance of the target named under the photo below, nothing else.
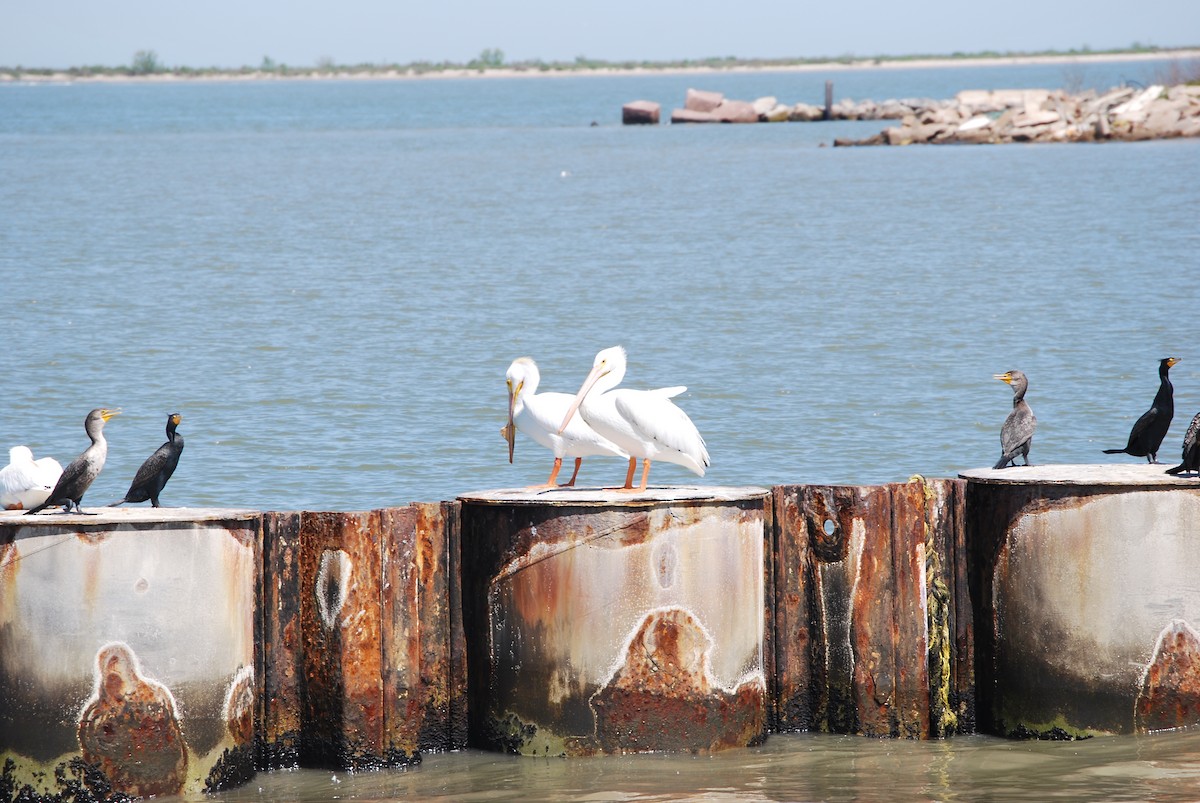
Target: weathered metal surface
(1084, 590)
(951, 630)
(341, 635)
(362, 637)
(1170, 692)
(423, 652)
(600, 622)
(852, 620)
(280, 669)
(127, 651)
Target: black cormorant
(1016, 435)
(1149, 430)
(1191, 449)
(79, 474)
(158, 468)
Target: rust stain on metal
(416, 630)
(279, 662)
(342, 648)
(1170, 692)
(130, 728)
(662, 697)
(238, 709)
(668, 655)
(828, 525)
(561, 597)
(93, 537)
(10, 567)
(851, 650)
(403, 630)
(246, 536)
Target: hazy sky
(234, 33)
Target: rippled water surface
(328, 280)
(792, 768)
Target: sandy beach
(382, 74)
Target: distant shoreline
(396, 74)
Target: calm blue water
(328, 280)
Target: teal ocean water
(329, 279)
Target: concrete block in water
(127, 650)
(641, 112)
(600, 622)
(1086, 598)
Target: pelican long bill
(596, 372)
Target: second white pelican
(538, 415)
(25, 482)
(645, 423)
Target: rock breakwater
(971, 117)
(979, 117)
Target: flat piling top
(110, 516)
(597, 497)
(1104, 474)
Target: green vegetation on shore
(146, 63)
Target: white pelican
(25, 482)
(538, 416)
(645, 423)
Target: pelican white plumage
(25, 482)
(538, 415)
(645, 423)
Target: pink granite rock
(698, 100)
(691, 116)
(736, 111)
(641, 112)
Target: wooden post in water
(828, 115)
(601, 622)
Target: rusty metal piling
(1035, 601)
(1085, 601)
(604, 623)
(855, 631)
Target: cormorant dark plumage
(79, 474)
(158, 468)
(1016, 436)
(1191, 449)
(1149, 430)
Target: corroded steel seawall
(873, 634)
(1086, 600)
(127, 657)
(362, 642)
(599, 622)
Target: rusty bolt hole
(830, 526)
